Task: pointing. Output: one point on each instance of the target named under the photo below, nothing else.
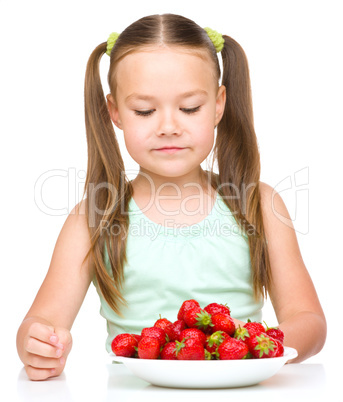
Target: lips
(169, 150)
(163, 148)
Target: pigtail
(108, 191)
(237, 154)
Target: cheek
(132, 132)
(132, 142)
(136, 141)
(205, 134)
(207, 143)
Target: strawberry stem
(265, 344)
(204, 320)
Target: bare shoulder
(275, 213)
(74, 239)
(79, 209)
(265, 190)
(77, 220)
(73, 242)
(279, 228)
(285, 257)
(271, 199)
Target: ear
(220, 103)
(113, 111)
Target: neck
(152, 184)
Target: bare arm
(43, 339)
(292, 294)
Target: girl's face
(167, 98)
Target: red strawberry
(193, 333)
(198, 318)
(275, 333)
(254, 328)
(149, 348)
(232, 349)
(169, 351)
(162, 323)
(242, 334)
(214, 340)
(177, 327)
(186, 305)
(262, 346)
(137, 337)
(215, 308)
(280, 349)
(165, 324)
(124, 345)
(190, 349)
(155, 333)
(223, 322)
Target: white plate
(205, 373)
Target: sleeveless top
(208, 261)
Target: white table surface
(99, 380)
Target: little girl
(175, 232)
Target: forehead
(164, 70)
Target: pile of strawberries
(201, 334)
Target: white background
(295, 59)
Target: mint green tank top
(208, 261)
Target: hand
(46, 351)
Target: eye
(143, 112)
(190, 111)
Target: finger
(65, 339)
(37, 347)
(40, 362)
(37, 374)
(64, 336)
(44, 333)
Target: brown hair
(236, 150)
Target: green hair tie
(111, 41)
(216, 38)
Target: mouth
(169, 150)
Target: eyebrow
(189, 94)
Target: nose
(168, 124)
